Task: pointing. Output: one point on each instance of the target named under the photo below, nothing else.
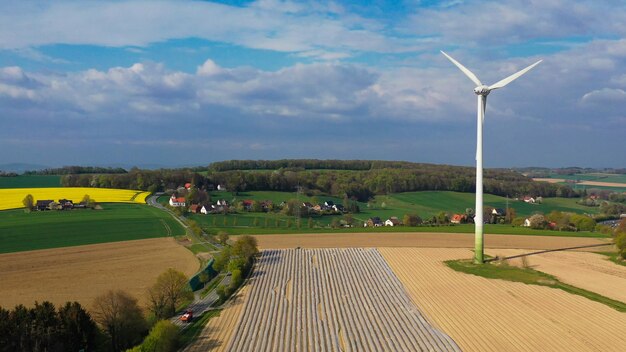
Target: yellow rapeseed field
(11, 198)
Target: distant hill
(19, 168)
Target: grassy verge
(467, 228)
(211, 285)
(194, 328)
(612, 256)
(530, 277)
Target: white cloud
(604, 95)
(481, 23)
(274, 25)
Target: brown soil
(81, 273)
(420, 239)
(494, 315)
(589, 271)
(586, 183)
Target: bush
(163, 337)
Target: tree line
(355, 184)
(116, 322)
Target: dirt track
(420, 239)
(84, 272)
(590, 271)
(494, 315)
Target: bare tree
(120, 317)
(170, 289)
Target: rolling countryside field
(21, 231)
(494, 315)
(12, 198)
(425, 204)
(82, 273)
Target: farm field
(424, 240)
(21, 231)
(12, 198)
(600, 177)
(425, 204)
(330, 300)
(30, 181)
(84, 272)
(494, 315)
(589, 271)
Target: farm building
(392, 221)
(177, 202)
(373, 222)
(458, 218)
(43, 204)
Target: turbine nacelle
(482, 90)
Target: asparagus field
(331, 300)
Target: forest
(357, 179)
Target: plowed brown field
(494, 315)
(216, 335)
(419, 239)
(81, 273)
(586, 183)
(590, 271)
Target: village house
(194, 208)
(458, 218)
(373, 222)
(526, 222)
(529, 199)
(206, 209)
(246, 204)
(338, 208)
(177, 202)
(187, 186)
(66, 204)
(43, 204)
(266, 205)
(221, 188)
(392, 221)
(222, 203)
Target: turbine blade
(513, 77)
(467, 72)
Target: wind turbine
(482, 91)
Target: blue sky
(189, 82)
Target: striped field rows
(331, 300)
(494, 315)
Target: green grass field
(21, 231)
(30, 181)
(577, 186)
(425, 204)
(429, 203)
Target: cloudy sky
(189, 82)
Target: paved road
(201, 305)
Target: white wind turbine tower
(482, 91)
